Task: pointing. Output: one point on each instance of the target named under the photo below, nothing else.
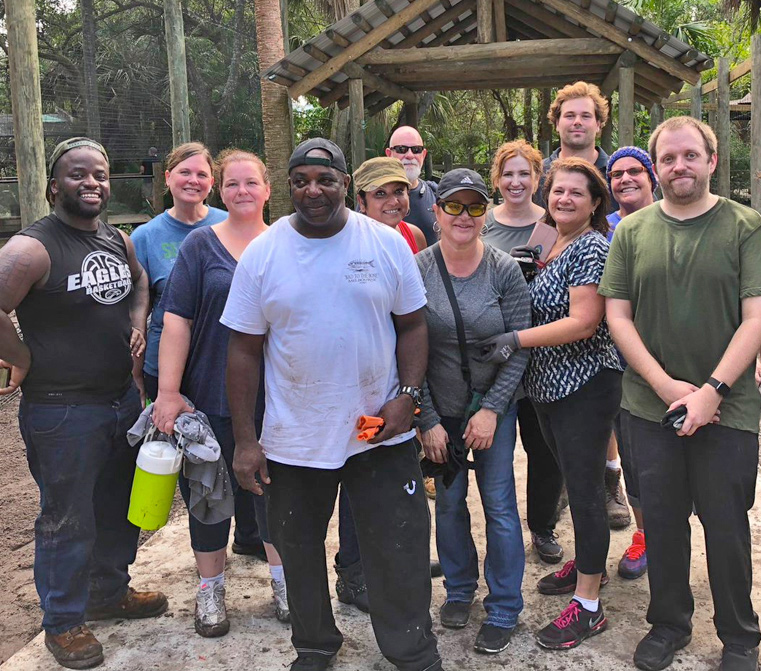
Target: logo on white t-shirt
(104, 276)
(361, 272)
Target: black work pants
(714, 469)
(385, 489)
(577, 429)
(545, 481)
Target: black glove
(526, 257)
(457, 460)
(498, 348)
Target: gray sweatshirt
(493, 300)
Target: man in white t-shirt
(333, 302)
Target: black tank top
(77, 326)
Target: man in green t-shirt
(683, 288)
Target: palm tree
(276, 107)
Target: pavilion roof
(398, 47)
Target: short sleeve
(243, 310)
(141, 248)
(182, 288)
(410, 292)
(614, 283)
(586, 263)
(750, 268)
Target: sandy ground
(257, 641)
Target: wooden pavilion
(389, 50)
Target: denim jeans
(385, 487)
(83, 465)
(505, 558)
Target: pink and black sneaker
(564, 580)
(571, 627)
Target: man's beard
(412, 170)
(76, 208)
(686, 195)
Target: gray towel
(211, 492)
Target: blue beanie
(634, 152)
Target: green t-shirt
(685, 281)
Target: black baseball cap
(462, 179)
(300, 155)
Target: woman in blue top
(193, 359)
(189, 178)
(573, 378)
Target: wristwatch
(415, 392)
(722, 388)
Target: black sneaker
(656, 650)
(574, 625)
(492, 639)
(547, 546)
(737, 658)
(564, 580)
(312, 661)
(455, 614)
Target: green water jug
(158, 467)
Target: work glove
(527, 258)
(498, 348)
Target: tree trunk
(528, 116)
(90, 74)
(276, 106)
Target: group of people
(580, 311)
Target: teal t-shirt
(156, 246)
(685, 281)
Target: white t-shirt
(330, 352)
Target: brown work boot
(133, 606)
(76, 648)
(615, 500)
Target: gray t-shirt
(493, 300)
(422, 198)
(505, 237)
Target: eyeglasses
(618, 174)
(403, 149)
(454, 208)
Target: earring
(436, 227)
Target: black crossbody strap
(464, 367)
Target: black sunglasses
(403, 149)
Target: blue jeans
(505, 558)
(83, 465)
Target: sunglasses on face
(403, 149)
(454, 208)
(633, 172)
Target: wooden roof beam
(558, 48)
(636, 25)
(610, 11)
(386, 10)
(336, 38)
(610, 83)
(379, 106)
(457, 29)
(485, 21)
(377, 83)
(436, 24)
(622, 39)
(500, 21)
(734, 74)
(553, 20)
(542, 27)
(467, 37)
(351, 53)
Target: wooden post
(755, 124)
(545, 127)
(178, 73)
(89, 45)
(500, 21)
(656, 116)
(357, 122)
(27, 109)
(696, 102)
(722, 130)
(159, 185)
(485, 21)
(411, 116)
(712, 110)
(447, 162)
(626, 107)
(606, 137)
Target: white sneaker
(211, 616)
(280, 594)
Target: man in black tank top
(81, 299)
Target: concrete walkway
(258, 642)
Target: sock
(277, 573)
(588, 604)
(220, 579)
(613, 465)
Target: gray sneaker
(211, 616)
(280, 594)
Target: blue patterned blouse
(556, 372)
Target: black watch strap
(719, 386)
(415, 392)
